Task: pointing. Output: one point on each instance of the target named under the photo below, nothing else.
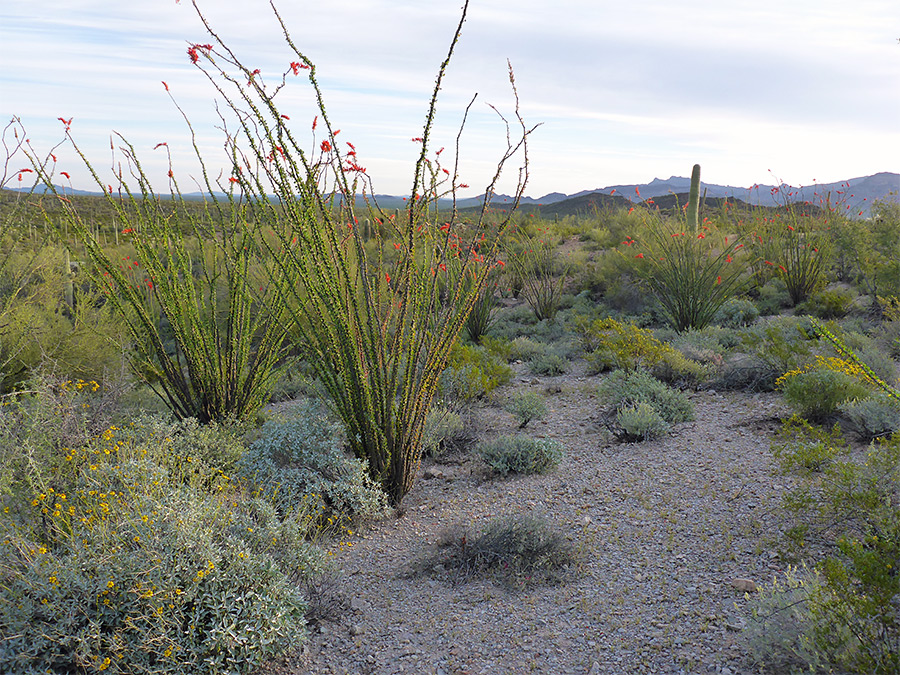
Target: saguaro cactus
(693, 207)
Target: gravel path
(662, 530)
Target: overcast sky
(625, 91)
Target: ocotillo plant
(376, 329)
(207, 325)
(690, 270)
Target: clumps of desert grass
(515, 551)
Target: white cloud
(628, 91)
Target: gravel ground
(664, 531)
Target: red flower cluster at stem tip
(326, 146)
(296, 66)
(194, 54)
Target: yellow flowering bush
(149, 560)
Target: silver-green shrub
(736, 312)
(640, 422)
(444, 431)
(521, 454)
(622, 389)
(302, 461)
(526, 406)
(871, 418)
(549, 364)
(139, 567)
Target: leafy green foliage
(472, 373)
(816, 394)
(845, 618)
(520, 454)
(829, 303)
(803, 447)
(608, 344)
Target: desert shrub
(817, 393)
(302, 461)
(778, 346)
(36, 430)
(828, 303)
(445, 431)
(676, 369)
(526, 406)
(472, 373)
(525, 349)
(517, 550)
(499, 347)
(783, 623)
(625, 295)
(640, 422)
(622, 389)
(802, 447)
(549, 363)
(536, 265)
(867, 351)
(848, 618)
(608, 344)
(141, 567)
(873, 417)
(772, 297)
(747, 372)
(520, 454)
(736, 312)
(49, 323)
(213, 445)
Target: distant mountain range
(855, 194)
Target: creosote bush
(843, 617)
(610, 344)
(817, 393)
(520, 454)
(526, 406)
(472, 372)
(445, 431)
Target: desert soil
(668, 536)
